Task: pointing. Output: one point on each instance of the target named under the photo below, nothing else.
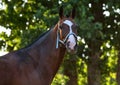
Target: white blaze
(71, 38)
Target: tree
(98, 29)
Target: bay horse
(38, 63)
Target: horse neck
(45, 53)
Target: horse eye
(60, 27)
(75, 27)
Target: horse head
(67, 31)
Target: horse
(38, 63)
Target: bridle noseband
(65, 39)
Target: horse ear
(73, 13)
(61, 12)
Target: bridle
(65, 39)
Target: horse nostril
(76, 46)
(68, 43)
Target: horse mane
(42, 35)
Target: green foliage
(27, 19)
(60, 79)
(91, 30)
(82, 72)
(109, 61)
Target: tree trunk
(94, 70)
(70, 70)
(72, 81)
(118, 69)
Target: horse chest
(28, 79)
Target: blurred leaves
(27, 19)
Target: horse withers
(38, 63)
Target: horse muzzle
(71, 49)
